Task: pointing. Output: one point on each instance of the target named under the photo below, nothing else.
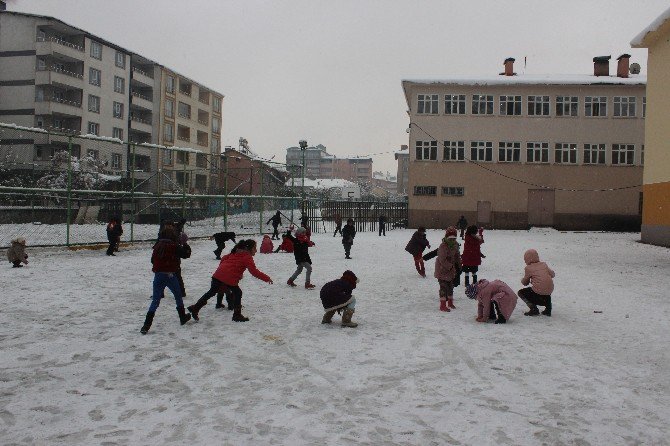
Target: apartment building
(62, 78)
(512, 151)
(402, 156)
(656, 204)
(242, 173)
(320, 164)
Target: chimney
(601, 65)
(622, 65)
(509, 67)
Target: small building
(320, 164)
(656, 177)
(243, 173)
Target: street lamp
(303, 148)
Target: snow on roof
(537, 79)
(656, 24)
(175, 148)
(321, 183)
(104, 176)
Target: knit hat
(451, 232)
(471, 291)
(300, 231)
(350, 277)
(20, 240)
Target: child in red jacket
(228, 275)
(472, 254)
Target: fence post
(262, 206)
(183, 190)
(159, 182)
(69, 190)
(292, 195)
(225, 193)
(132, 196)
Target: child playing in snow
(495, 300)
(228, 274)
(446, 268)
(220, 239)
(472, 255)
(336, 296)
(16, 254)
(540, 277)
(301, 246)
(286, 243)
(266, 245)
(348, 235)
(165, 260)
(415, 246)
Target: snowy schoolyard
(74, 369)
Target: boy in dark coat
(348, 234)
(336, 296)
(220, 239)
(382, 225)
(338, 225)
(276, 221)
(165, 261)
(415, 246)
(301, 246)
(462, 224)
(114, 231)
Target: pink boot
(443, 305)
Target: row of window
(94, 106)
(96, 53)
(185, 134)
(536, 105)
(452, 191)
(535, 152)
(185, 88)
(95, 78)
(47, 153)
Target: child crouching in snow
(165, 260)
(228, 275)
(16, 254)
(266, 245)
(446, 268)
(495, 300)
(336, 296)
(540, 277)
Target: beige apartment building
(656, 206)
(513, 151)
(64, 79)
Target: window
(41, 65)
(117, 133)
(427, 104)
(96, 50)
(642, 155)
(425, 190)
(118, 110)
(538, 105)
(454, 104)
(595, 106)
(454, 151)
(566, 153)
(94, 76)
(453, 191)
(624, 106)
(184, 110)
(594, 153)
(182, 157)
(116, 160)
(482, 104)
(169, 108)
(537, 152)
(215, 144)
(169, 84)
(167, 156)
(216, 126)
(93, 103)
(200, 160)
(426, 150)
(93, 128)
(623, 154)
(168, 132)
(567, 105)
(120, 59)
(119, 84)
(509, 152)
(216, 104)
(185, 87)
(644, 107)
(93, 154)
(481, 151)
(510, 105)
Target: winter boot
(532, 312)
(492, 312)
(443, 305)
(328, 317)
(195, 308)
(309, 286)
(147, 322)
(183, 317)
(237, 315)
(291, 283)
(219, 301)
(450, 303)
(346, 318)
(547, 309)
(501, 319)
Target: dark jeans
(382, 229)
(275, 234)
(338, 228)
(532, 299)
(162, 280)
(219, 248)
(216, 287)
(112, 246)
(347, 248)
(181, 282)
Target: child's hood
(531, 256)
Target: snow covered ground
(75, 370)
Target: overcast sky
(329, 71)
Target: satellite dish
(634, 68)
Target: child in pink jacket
(495, 300)
(446, 268)
(540, 277)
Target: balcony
(140, 100)
(58, 106)
(58, 76)
(49, 45)
(140, 124)
(142, 77)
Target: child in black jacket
(301, 244)
(348, 234)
